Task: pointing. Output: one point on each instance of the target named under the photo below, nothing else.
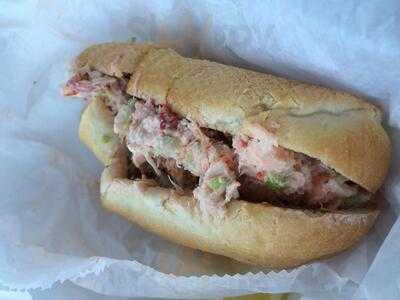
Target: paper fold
(52, 227)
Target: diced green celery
(217, 183)
(106, 138)
(275, 182)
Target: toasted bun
(258, 234)
(341, 130)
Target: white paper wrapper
(51, 226)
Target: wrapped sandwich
(265, 170)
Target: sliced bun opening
(216, 166)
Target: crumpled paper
(52, 228)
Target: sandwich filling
(217, 167)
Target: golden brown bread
(341, 130)
(114, 59)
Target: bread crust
(340, 129)
(96, 131)
(256, 234)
